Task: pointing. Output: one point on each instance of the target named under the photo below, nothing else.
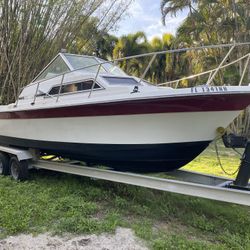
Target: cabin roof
(66, 62)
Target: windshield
(78, 62)
(113, 69)
(91, 64)
(57, 67)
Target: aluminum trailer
(17, 162)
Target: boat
(84, 108)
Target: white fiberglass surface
(122, 129)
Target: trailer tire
(18, 169)
(4, 164)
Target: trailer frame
(179, 181)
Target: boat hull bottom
(133, 157)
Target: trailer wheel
(18, 169)
(4, 164)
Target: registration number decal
(204, 89)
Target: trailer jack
(243, 176)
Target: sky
(145, 15)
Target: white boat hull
(121, 129)
(140, 143)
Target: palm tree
(128, 45)
(172, 7)
(162, 68)
(212, 22)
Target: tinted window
(121, 80)
(54, 90)
(74, 87)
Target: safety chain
(219, 160)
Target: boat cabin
(69, 74)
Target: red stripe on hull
(198, 103)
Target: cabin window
(74, 87)
(121, 81)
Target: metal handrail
(60, 88)
(205, 72)
(154, 54)
(147, 68)
(244, 70)
(220, 65)
(94, 82)
(34, 100)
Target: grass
(62, 203)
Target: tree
(228, 19)
(172, 7)
(128, 45)
(105, 45)
(162, 68)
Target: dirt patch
(123, 239)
